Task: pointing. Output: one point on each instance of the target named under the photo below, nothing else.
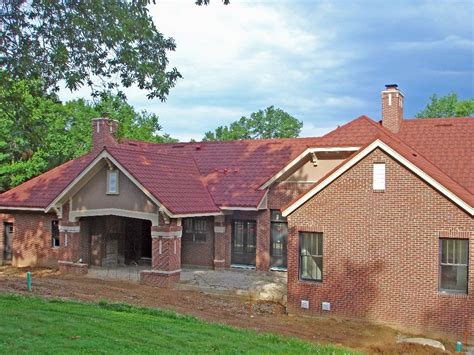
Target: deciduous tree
(102, 44)
(269, 123)
(447, 106)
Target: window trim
(447, 291)
(109, 173)
(379, 176)
(302, 279)
(53, 238)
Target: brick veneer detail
(381, 251)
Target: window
(379, 176)
(112, 181)
(278, 239)
(454, 265)
(196, 229)
(311, 256)
(55, 234)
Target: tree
(447, 106)
(83, 42)
(269, 123)
(38, 132)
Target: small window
(55, 234)
(311, 256)
(379, 176)
(112, 181)
(196, 229)
(454, 265)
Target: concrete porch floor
(247, 284)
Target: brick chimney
(392, 108)
(104, 132)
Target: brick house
(372, 220)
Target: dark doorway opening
(8, 239)
(137, 241)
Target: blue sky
(324, 62)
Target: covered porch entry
(114, 240)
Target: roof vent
(133, 144)
(178, 146)
(444, 125)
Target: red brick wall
(199, 253)
(170, 257)
(31, 243)
(381, 251)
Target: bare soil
(262, 316)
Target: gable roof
(408, 157)
(174, 181)
(233, 170)
(203, 177)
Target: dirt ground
(263, 316)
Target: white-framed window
(454, 260)
(311, 256)
(112, 182)
(379, 176)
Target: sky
(324, 62)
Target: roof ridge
(427, 119)
(255, 140)
(351, 123)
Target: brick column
(220, 240)
(165, 256)
(70, 248)
(263, 240)
(70, 244)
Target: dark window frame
(195, 235)
(246, 223)
(55, 239)
(300, 257)
(442, 264)
(276, 218)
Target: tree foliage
(447, 106)
(84, 43)
(206, 2)
(38, 132)
(269, 123)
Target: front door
(278, 240)
(244, 243)
(8, 237)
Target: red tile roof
(40, 191)
(447, 142)
(173, 181)
(197, 177)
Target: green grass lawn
(35, 325)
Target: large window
(196, 229)
(55, 234)
(454, 265)
(278, 240)
(311, 256)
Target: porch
(247, 284)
